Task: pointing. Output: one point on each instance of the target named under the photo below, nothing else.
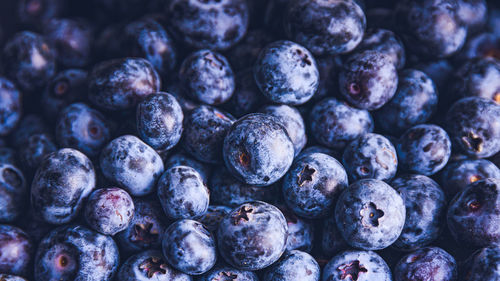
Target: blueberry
(8, 155)
(121, 83)
(483, 45)
(474, 13)
(286, 73)
(213, 24)
(292, 120)
(37, 12)
(189, 247)
(473, 213)
(430, 263)
(66, 87)
(159, 120)
(252, 236)
(386, 42)
(439, 71)
(13, 193)
(332, 241)
(72, 40)
(30, 124)
(229, 191)
(247, 97)
(457, 175)
(146, 38)
(84, 128)
(474, 126)
(182, 193)
(226, 273)
(334, 123)
(10, 106)
(206, 76)
(431, 28)
(131, 164)
(17, 250)
(478, 78)
(368, 79)
(293, 265)
(205, 129)
(28, 60)
(357, 266)
(370, 214)
(328, 67)
(251, 152)
(312, 185)
(213, 216)
(182, 159)
(7, 277)
(34, 150)
(425, 211)
(245, 53)
(146, 229)
(482, 265)
(424, 149)
(414, 103)
(149, 265)
(62, 182)
(109, 210)
(370, 156)
(76, 253)
(301, 232)
(325, 27)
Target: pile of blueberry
(247, 140)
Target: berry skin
(414, 103)
(229, 191)
(244, 55)
(210, 24)
(474, 126)
(431, 28)
(121, 83)
(312, 185)
(424, 149)
(76, 253)
(8, 155)
(147, 39)
(368, 79)
(34, 150)
(334, 123)
(286, 73)
(473, 214)
(62, 182)
(13, 193)
(182, 159)
(474, 13)
(292, 120)
(109, 210)
(7, 277)
(16, 251)
(252, 236)
(332, 241)
(37, 12)
(132, 164)
(247, 97)
(250, 151)
(294, 265)
(357, 266)
(370, 156)
(149, 265)
(189, 247)
(81, 127)
(370, 214)
(10, 106)
(205, 129)
(478, 77)
(159, 120)
(430, 263)
(482, 265)
(325, 27)
(66, 87)
(28, 60)
(226, 273)
(425, 211)
(182, 193)
(213, 216)
(146, 229)
(457, 175)
(72, 40)
(207, 77)
(386, 42)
